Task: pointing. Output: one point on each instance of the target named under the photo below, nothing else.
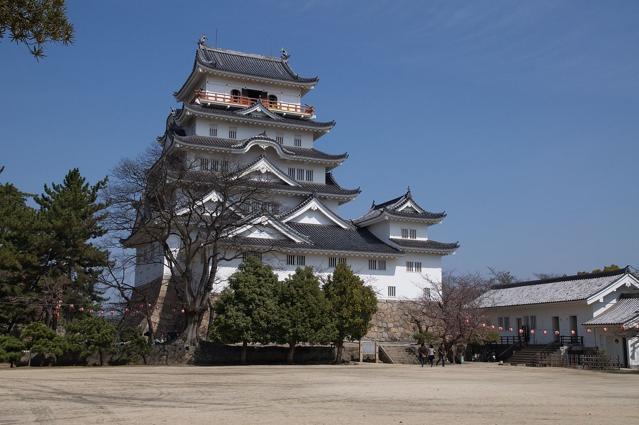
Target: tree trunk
(290, 358)
(243, 357)
(100, 356)
(190, 332)
(339, 346)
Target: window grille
(279, 139)
(204, 164)
(404, 233)
(297, 141)
(225, 165)
(232, 133)
(381, 264)
(332, 262)
(391, 291)
(215, 165)
(410, 266)
(213, 131)
(291, 172)
(301, 260)
(290, 260)
(413, 233)
(418, 267)
(247, 255)
(341, 260)
(427, 293)
(300, 174)
(309, 175)
(372, 264)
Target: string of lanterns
(533, 331)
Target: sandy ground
(367, 394)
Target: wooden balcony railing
(305, 111)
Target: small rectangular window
(290, 260)
(300, 174)
(247, 255)
(381, 264)
(413, 233)
(213, 131)
(215, 165)
(301, 260)
(279, 139)
(232, 133)
(427, 293)
(225, 165)
(332, 262)
(372, 264)
(391, 291)
(409, 266)
(500, 322)
(309, 175)
(418, 267)
(291, 172)
(341, 260)
(404, 233)
(204, 164)
(297, 140)
(507, 322)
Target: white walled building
(244, 111)
(591, 310)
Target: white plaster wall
(225, 85)
(633, 352)
(202, 125)
(397, 226)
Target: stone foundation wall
(390, 323)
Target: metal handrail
(238, 100)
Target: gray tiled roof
(234, 144)
(249, 64)
(332, 237)
(227, 113)
(391, 207)
(625, 310)
(428, 244)
(567, 288)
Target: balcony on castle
(270, 102)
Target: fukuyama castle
(246, 112)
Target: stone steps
(530, 355)
(399, 354)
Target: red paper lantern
(588, 330)
(501, 329)
(556, 332)
(510, 329)
(545, 332)
(492, 326)
(573, 332)
(521, 331)
(532, 331)
(605, 329)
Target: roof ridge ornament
(284, 55)
(202, 41)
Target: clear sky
(521, 120)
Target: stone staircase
(398, 353)
(531, 354)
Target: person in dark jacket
(422, 352)
(441, 354)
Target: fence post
(361, 354)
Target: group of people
(429, 353)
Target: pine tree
(303, 311)
(246, 310)
(352, 305)
(72, 217)
(90, 335)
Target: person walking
(422, 352)
(441, 353)
(431, 355)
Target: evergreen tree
(72, 219)
(90, 335)
(10, 349)
(303, 311)
(352, 305)
(39, 338)
(20, 264)
(246, 310)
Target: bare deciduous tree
(194, 215)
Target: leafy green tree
(20, 263)
(131, 346)
(10, 349)
(35, 22)
(303, 311)
(246, 310)
(72, 218)
(352, 305)
(90, 335)
(610, 268)
(39, 338)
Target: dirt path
(368, 394)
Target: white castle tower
(246, 111)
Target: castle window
(413, 234)
(204, 164)
(381, 264)
(427, 293)
(297, 140)
(213, 131)
(235, 95)
(391, 291)
(418, 267)
(309, 175)
(300, 174)
(404, 233)
(332, 262)
(291, 172)
(279, 139)
(215, 165)
(341, 260)
(225, 165)
(290, 260)
(410, 266)
(301, 260)
(247, 255)
(272, 100)
(232, 133)
(372, 264)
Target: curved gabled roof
(429, 245)
(404, 208)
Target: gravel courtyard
(367, 394)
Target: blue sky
(521, 120)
